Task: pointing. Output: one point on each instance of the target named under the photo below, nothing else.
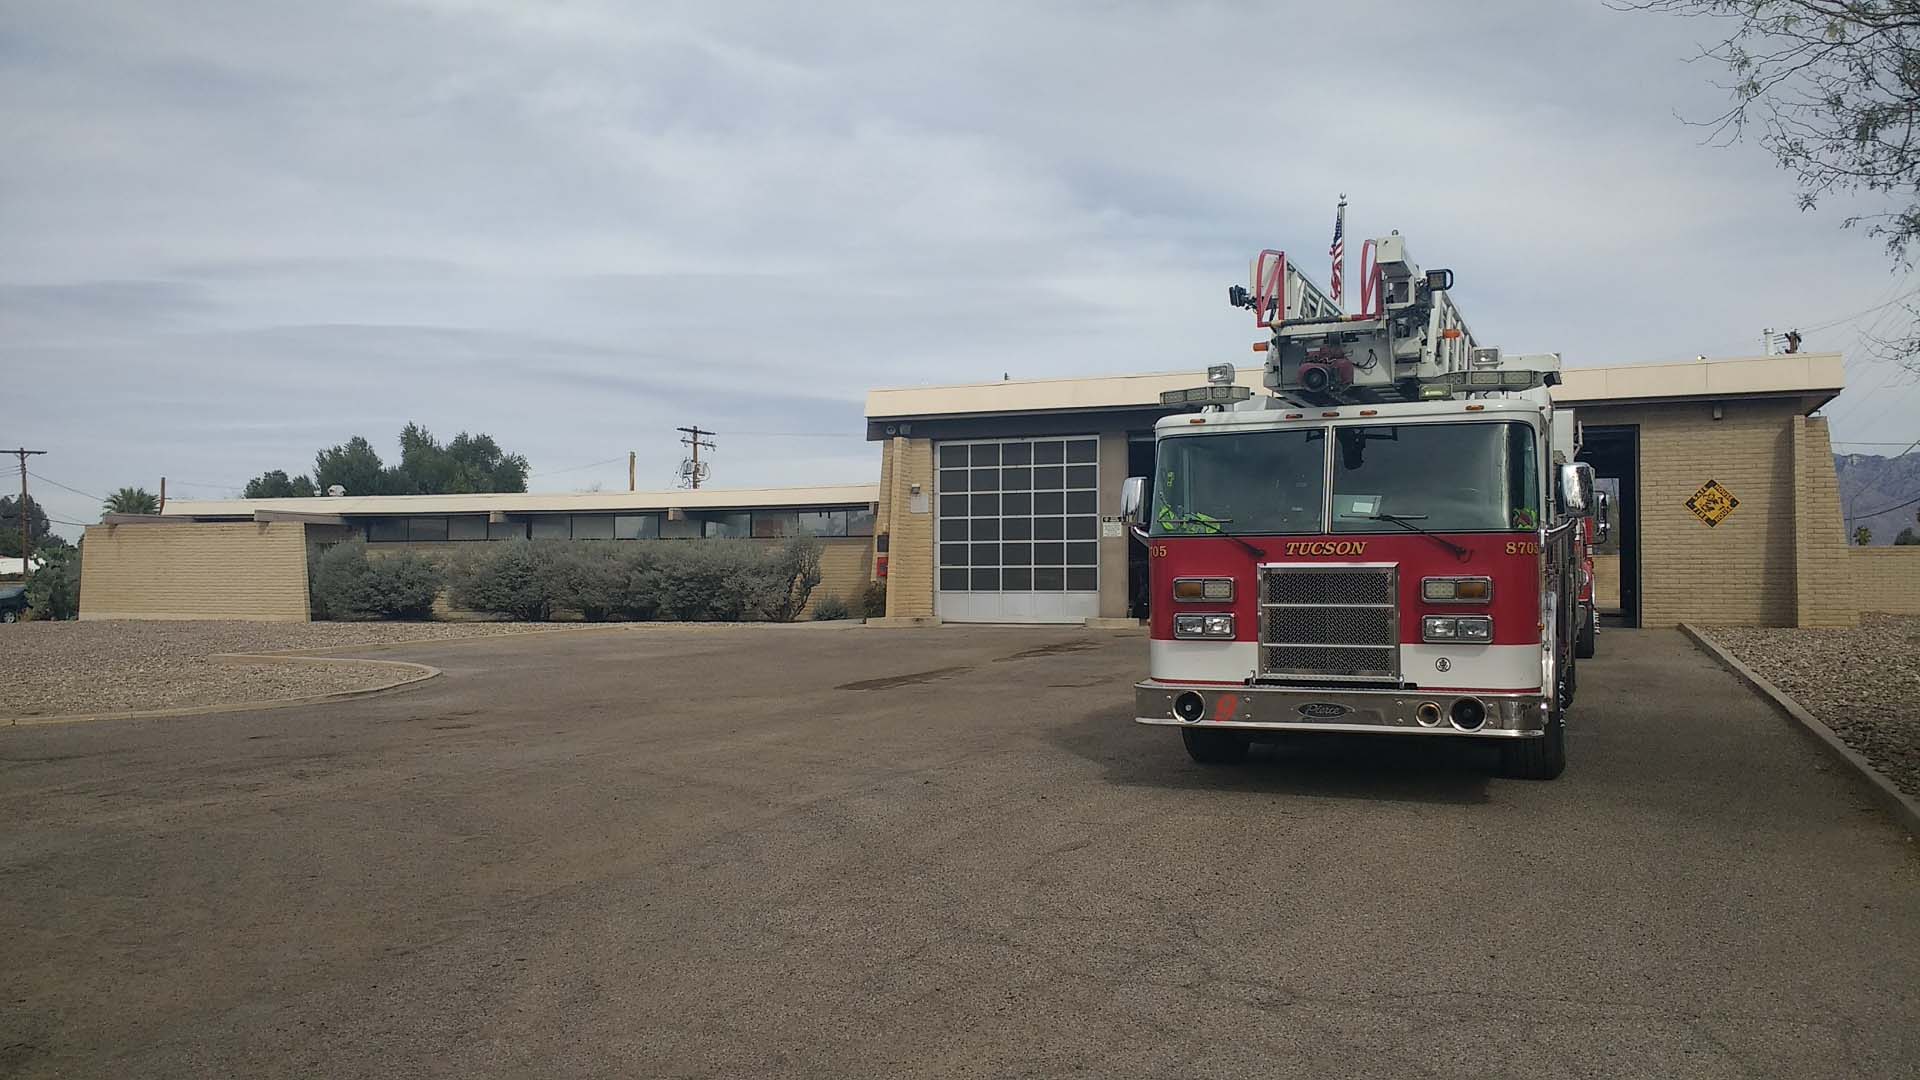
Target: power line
(803, 434)
(1849, 318)
(1884, 509)
(573, 468)
(64, 487)
(1869, 442)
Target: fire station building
(1000, 502)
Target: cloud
(239, 232)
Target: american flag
(1339, 248)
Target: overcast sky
(236, 232)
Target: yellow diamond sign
(1712, 503)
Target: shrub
(829, 608)
(715, 580)
(873, 603)
(53, 592)
(796, 568)
(691, 580)
(521, 580)
(348, 583)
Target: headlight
(1210, 589)
(1451, 628)
(1217, 627)
(1456, 590)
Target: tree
(276, 484)
(44, 538)
(54, 590)
(468, 464)
(1863, 536)
(356, 467)
(1907, 538)
(1833, 89)
(130, 500)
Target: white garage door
(1018, 529)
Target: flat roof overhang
(1076, 406)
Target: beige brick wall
(247, 570)
(910, 550)
(1113, 549)
(883, 511)
(1823, 589)
(1740, 572)
(1606, 582)
(1884, 579)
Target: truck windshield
(1479, 477)
(1265, 482)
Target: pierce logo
(1323, 710)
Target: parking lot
(814, 852)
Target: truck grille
(1336, 622)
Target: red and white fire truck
(1387, 540)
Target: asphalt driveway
(846, 853)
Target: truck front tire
(1215, 747)
(1544, 758)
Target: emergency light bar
(1206, 395)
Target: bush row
(696, 580)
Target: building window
(467, 527)
(773, 524)
(427, 530)
(387, 531)
(636, 527)
(551, 526)
(727, 525)
(593, 526)
(506, 530)
(860, 522)
(1028, 520)
(686, 528)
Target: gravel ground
(56, 668)
(1863, 683)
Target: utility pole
(630, 464)
(694, 440)
(26, 523)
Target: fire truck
(1388, 539)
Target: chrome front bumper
(1373, 712)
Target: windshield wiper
(1214, 524)
(1406, 521)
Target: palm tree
(131, 501)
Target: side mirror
(1576, 489)
(1603, 527)
(1133, 502)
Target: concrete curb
(1905, 810)
(578, 628)
(417, 674)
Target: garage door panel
(1018, 529)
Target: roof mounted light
(1206, 395)
(1222, 374)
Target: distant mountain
(1870, 482)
